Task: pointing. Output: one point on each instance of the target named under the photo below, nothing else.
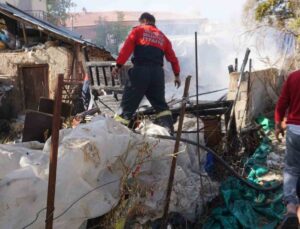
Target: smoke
(221, 39)
(216, 50)
(218, 45)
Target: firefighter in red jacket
(148, 46)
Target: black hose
(192, 131)
(224, 163)
(204, 93)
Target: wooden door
(35, 85)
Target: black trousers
(149, 81)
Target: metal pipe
(197, 114)
(176, 149)
(56, 124)
(222, 162)
(197, 95)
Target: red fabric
(289, 100)
(86, 77)
(148, 35)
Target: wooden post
(176, 149)
(76, 66)
(56, 123)
(24, 34)
(241, 77)
(89, 68)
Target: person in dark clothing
(148, 46)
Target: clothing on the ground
(291, 171)
(149, 46)
(289, 100)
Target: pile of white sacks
(95, 156)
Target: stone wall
(59, 60)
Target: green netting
(245, 207)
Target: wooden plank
(24, 34)
(112, 78)
(97, 76)
(53, 154)
(104, 75)
(175, 152)
(90, 71)
(110, 89)
(100, 63)
(76, 66)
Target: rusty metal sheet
(212, 130)
(47, 106)
(37, 126)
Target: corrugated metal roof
(15, 13)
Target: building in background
(28, 5)
(37, 8)
(38, 54)
(85, 23)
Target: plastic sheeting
(99, 156)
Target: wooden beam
(24, 34)
(100, 63)
(75, 73)
(53, 153)
(175, 152)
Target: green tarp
(245, 207)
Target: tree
(281, 14)
(59, 10)
(111, 34)
(284, 17)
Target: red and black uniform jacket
(148, 45)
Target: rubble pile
(97, 162)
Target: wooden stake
(53, 153)
(24, 34)
(176, 149)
